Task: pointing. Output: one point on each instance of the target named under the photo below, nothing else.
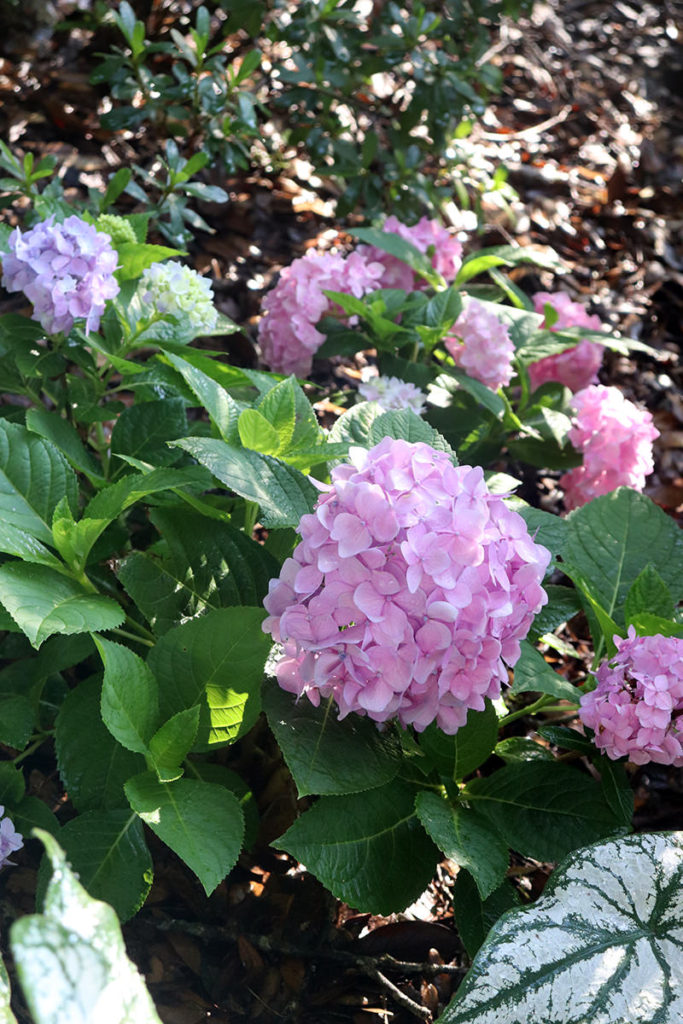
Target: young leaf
(135, 257)
(543, 810)
(613, 538)
(171, 743)
(71, 959)
(130, 696)
(458, 755)
(109, 852)
(466, 838)
(200, 821)
(603, 944)
(368, 848)
(42, 602)
(324, 755)
(92, 765)
(215, 661)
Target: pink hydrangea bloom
(411, 586)
(446, 259)
(66, 271)
(287, 332)
(10, 839)
(481, 345)
(634, 710)
(392, 392)
(615, 438)
(576, 367)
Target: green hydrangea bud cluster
(118, 228)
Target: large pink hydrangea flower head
(10, 839)
(635, 709)
(615, 438)
(481, 345)
(576, 367)
(411, 587)
(287, 332)
(425, 235)
(66, 270)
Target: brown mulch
(590, 129)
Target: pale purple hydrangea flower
(391, 392)
(410, 589)
(179, 291)
(66, 270)
(10, 839)
(636, 707)
(446, 258)
(480, 344)
(576, 367)
(287, 333)
(615, 438)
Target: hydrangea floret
(172, 289)
(615, 438)
(287, 333)
(427, 236)
(391, 392)
(10, 839)
(635, 708)
(577, 367)
(481, 345)
(411, 587)
(66, 270)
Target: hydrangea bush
(150, 554)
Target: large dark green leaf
(34, 477)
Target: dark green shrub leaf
(34, 476)
(130, 696)
(534, 674)
(458, 755)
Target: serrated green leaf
(144, 430)
(34, 476)
(282, 492)
(71, 959)
(602, 945)
(109, 852)
(613, 538)
(466, 838)
(21, 544)
(545, 528)
(220, 406)
(324, 755)
(369, 849)
(134, 257)
(42, 602)
(257, 433)
(398, 247)
(171, 743)
(201, 822)
(648, 593)
(533, 674)
(215, 661)
(543, 810)
(130, 696)
(17, 720)
(115, 499)
(11, 784)
(408, 426)
(64, 436)
(521, 748)
(563, 604)
(473, 916)
(92, 765)
(458, 755)
(209, 565)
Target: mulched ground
(590, 129)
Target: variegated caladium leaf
(603, 945)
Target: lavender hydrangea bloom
(411, 587)
(635, 708)
(179, 291)
(66, 271)
(10, 839)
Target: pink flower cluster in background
(615, 438)
(481, 345)
(634, 710)
(391, 392)
(10, 839)
(411, 586)
(446, 257)
(287, 332)
(576, 367)
(66, 270)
